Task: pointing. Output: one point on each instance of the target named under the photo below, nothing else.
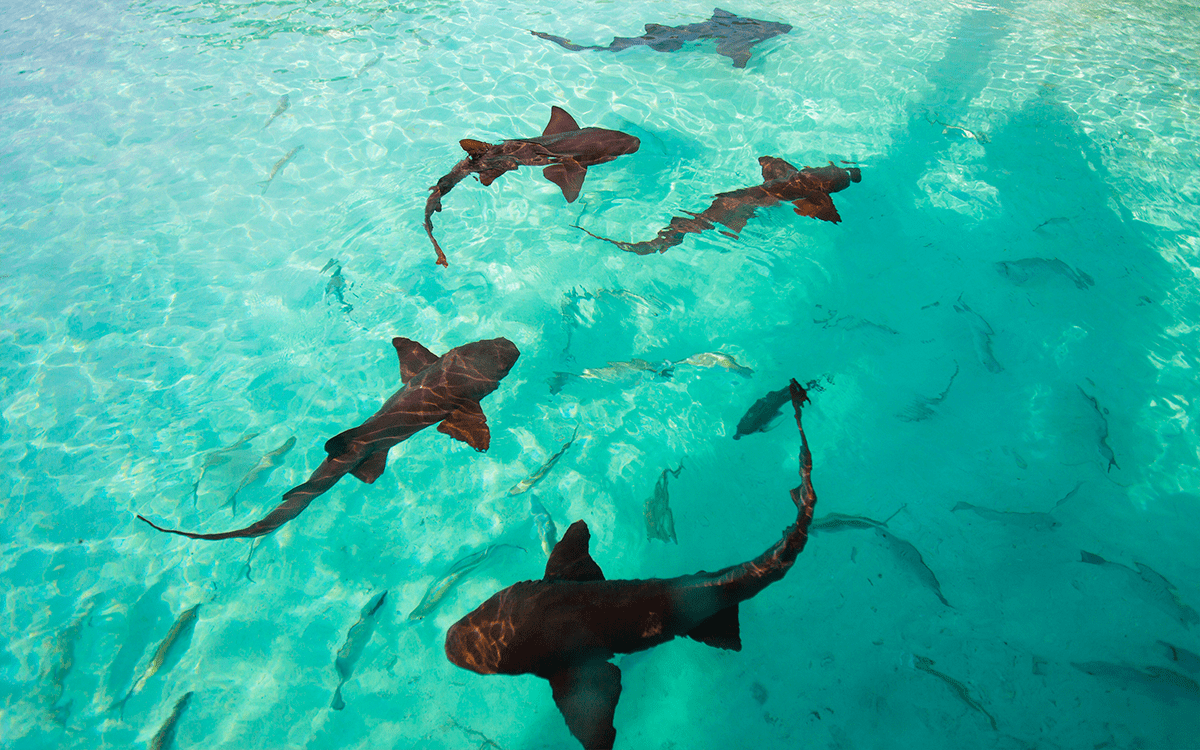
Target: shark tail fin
(721, 630)
(337, 704)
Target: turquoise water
(157, 306)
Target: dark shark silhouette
(734, 36)
(565, 627)
(563, 148)
(806, 189)
(444, 389)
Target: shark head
(489, 360)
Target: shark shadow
(733, 34)
(563, 148)
(806, 189)
(444, 389)
(565, 627)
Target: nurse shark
(734, 35)
(565, 627)
(444, 389)
(563, 148)
(806, 189)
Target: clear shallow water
(157, 306)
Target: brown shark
(806, 189)
(565, 627)
(564, 149)
(444, 389)
(734, 35)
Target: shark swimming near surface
(733, 34)
(444, 389)
(807, 189)
(565, 627)
(564, 149)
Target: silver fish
(370, 64)
(280, 108)
(261, 470)
(438, 590)
(922, 406)
(1039, 270)
(660, 522)
(526, 484)
(925, 664)
(1106, 450)
(982, 333)
(356, 640)
(910, 559)
(842, 522)
(613, 372)
(336, 288)
(716, 359)
(279, 165)
(63, 661)
(1153, 588)
(1030, 521)
(217, 458)
(546, 530)
(177, 641)
(1164, 684)
(166, 734)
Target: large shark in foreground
(444, 389)
(806, 189)
(563, 148)
(734, 35)
(565, 627)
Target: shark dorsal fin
(586, 693)
(474, 148)
(413, 357)
(560, 122)
(774, 168)
(469, 425)
(570, 561)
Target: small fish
(910, 559)
(166, 734)
(982, 334)
(613, 372)
(526, 484)
(1182, 657)
(336, 288)
(370, 64)
(280, 108)
(762, 413)
(1164, 684)
(925, 664)
(174, 645)
(217, 458)
(1028, 521)
(842, 522)
(716, 359)
(1039, 270)
(1153, 588)
(1106, 450)
(979, 137)
(279, 165)
(660, 522)
(438, 590)
(922, 407)
(546, 530)
(62, 661)
(261, 470)
(356, 640)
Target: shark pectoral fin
(587, 695)
(468, 425)
(720, 630)
(413, 357)
(817, 206)
(568, 175)
(474, 148)
(560, 122)
(371, 468)
(774, 168)
(488, 176)
(570, 560)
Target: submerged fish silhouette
(565, 627)
(734, 36)
(563, 148)
(444, 389)
(806, 189)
